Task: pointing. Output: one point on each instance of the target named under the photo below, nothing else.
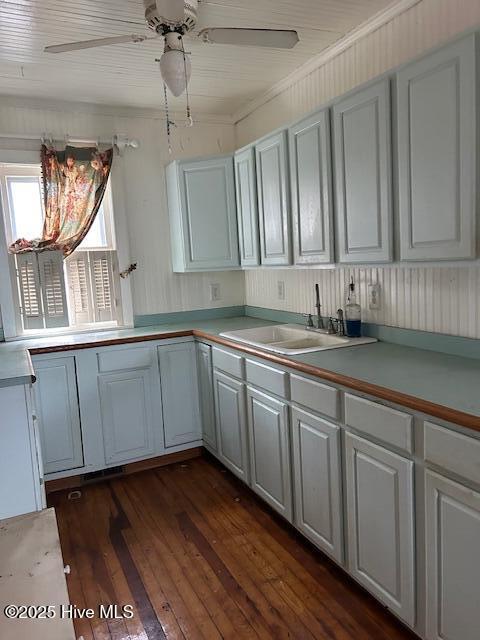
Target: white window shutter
(80, 288)
(29, 289)
(104, 303)
(52, 281)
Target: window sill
(100, 327)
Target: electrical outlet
(215, 292)
(374, 297)
(281, 290)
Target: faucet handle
(308, 319)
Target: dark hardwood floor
(199, 556)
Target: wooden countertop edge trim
(109, 343)
(397, 397)
(411, 402)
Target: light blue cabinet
(181, 407)
(131, 411)
(203, 218)
(230, 411)
(380, 516)
(56, 400)
(452, 560)
(311, 189)
(127, 417)
(270, 450)
(273, 200)
(437, 152)
(205, 384)
(247, 207)
(317, 481)
(363, 181)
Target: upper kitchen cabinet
(247, 209)
(437, 154)
(273, 200)
(203, 217)
(310, 180)
(362, 141)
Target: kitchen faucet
(318, 306)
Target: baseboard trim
(74, 482)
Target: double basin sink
(292, 339)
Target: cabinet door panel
(379, 486)
(453, 560)
(59, 415)
(437, 151)
(317, 480)
(205, 381)
(247, 208)
(231, 424)
(363, 175)
(203, 216)
(310, 177)
(181, 410)
(269, 450)
(127, 420)
(273, 209)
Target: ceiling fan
(172, 19)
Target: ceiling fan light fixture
(175, 65)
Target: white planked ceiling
(224, 78)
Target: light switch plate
(215, 292)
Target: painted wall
(155, 288)
(435, 299)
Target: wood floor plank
(183, 596)
(273, 576)
(202, 558)
(335, 591)
(225, 617)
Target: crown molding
(364, 29)
(106, 109)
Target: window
(50, 292)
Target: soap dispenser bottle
(353, 313)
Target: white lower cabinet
(179, 380)
(380, 529)
(127, 415)
(205, 385)
(21, 476)
(231, 421)
(317, 481)
(270, 450)
(452, 559)
(56, 400)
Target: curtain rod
(117, 141)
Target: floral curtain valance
(74, 183)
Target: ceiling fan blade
(275, 38)
(90, 44)
(171, 10)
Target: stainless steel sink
(292, 339)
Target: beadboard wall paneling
(155, 288)
(423, 26)
(438, 299)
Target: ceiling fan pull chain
(167, 116)
(189, 121)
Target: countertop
(31, 573)
(440, 385)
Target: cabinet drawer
(124, 359)
(453, 451)
(265, 377)
(314, 395)
(388, 425)
(229, 362)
